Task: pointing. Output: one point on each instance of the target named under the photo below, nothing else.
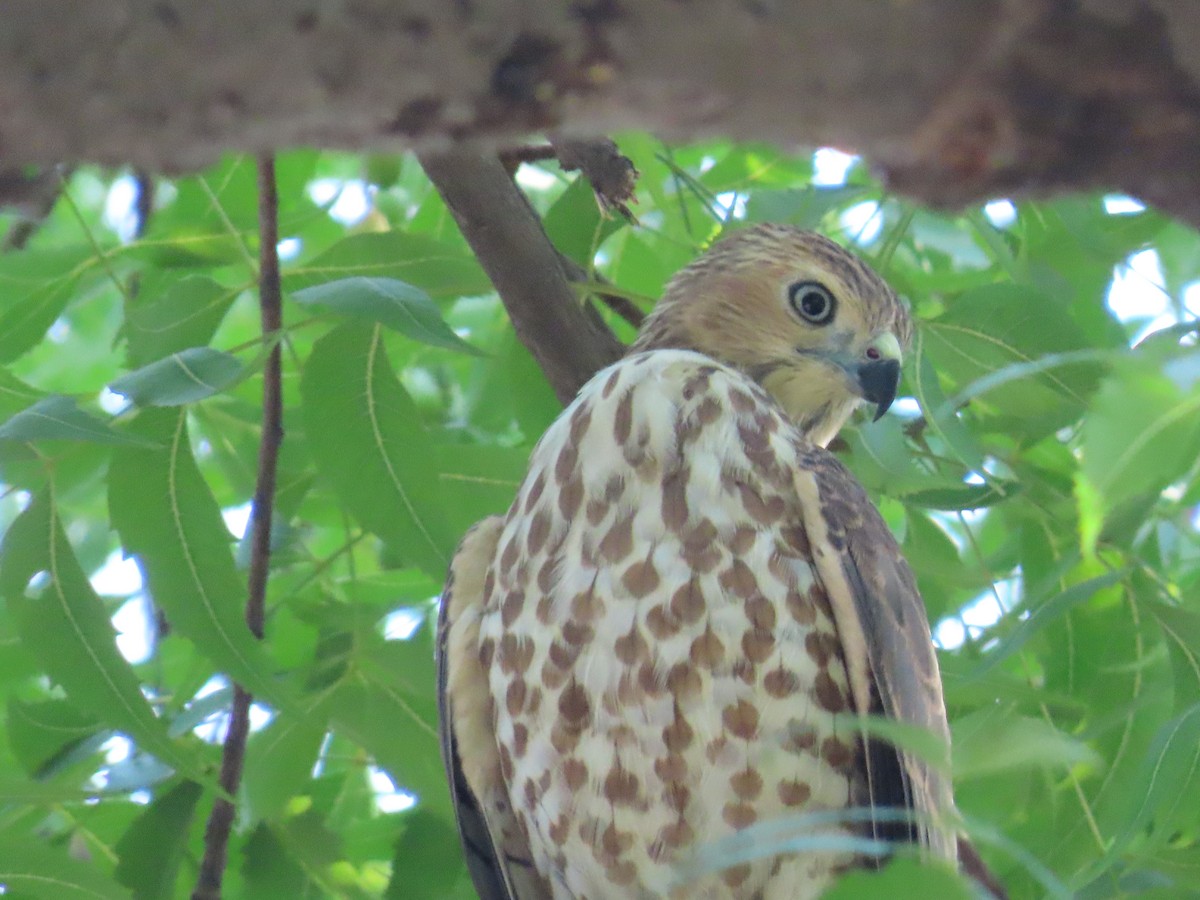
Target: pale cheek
(806, 394)
(747, 341)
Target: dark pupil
(813, 304)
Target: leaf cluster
(1042, 473)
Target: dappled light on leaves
(1040, 472)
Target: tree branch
(612, 175)
(233, 755)
(514, 157)
(565, 335)
(953, 102)
(32, 195)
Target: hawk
(691, 606)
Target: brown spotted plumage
(676, 630)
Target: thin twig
(271, 302)
(143, 207)
(622, 306)
(143, 201)
(100, 253)
(233, 754)
(514, 157)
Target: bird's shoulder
(650, 409)
(682, 439)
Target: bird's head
(811, 323)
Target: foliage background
(1042, 478)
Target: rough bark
(954, 100)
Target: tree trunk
(953, 100)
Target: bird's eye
(812, 302)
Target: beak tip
(879, 380)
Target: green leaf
(310, 841)
(754, 166)
(151, 849)
(279, 763)
(38, 793)
(57, 418)
(41, 733)
(882, 458)
(15, 395)
(269, 870)
(805, 207)
(1043, 613)
(69, 630)
(368, 442)
(643, 267)
(944, 423)
(29, 868)
(169, 520)
(533, 401)
(1182, 628)
(575, 224)
(1106, 654)
(1168, 783)
(935, 560)
(1141, 433)
(36, 286)
(401, 738)
(395, 304)
(1091, 510)
(440, 269)
(180, 378)
(383, 169)
(961, 496)
(968, 247)
(184, 314)
(1018, 371)
(427, 864)
(903, 879)
(993, 740)
(1022, 326)
(387, 705)
(208, 220)
(479, 481)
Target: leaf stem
(233, 754)
(101, 254)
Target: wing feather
(496, 855)
(886, 638)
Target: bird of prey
(691, 607)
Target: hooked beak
(879, 375)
